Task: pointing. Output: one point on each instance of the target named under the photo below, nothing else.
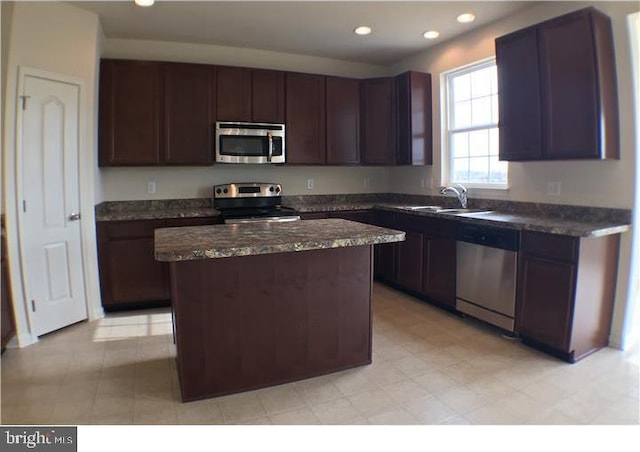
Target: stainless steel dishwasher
(487, 262)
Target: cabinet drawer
(550, 246)
(130, 229)
(432, 226)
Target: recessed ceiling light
(432, 34)
(466, 18)
(144, 2)
(362, 30)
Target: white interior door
(50, 230)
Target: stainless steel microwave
(249, 142)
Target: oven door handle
(270, 138)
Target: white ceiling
(322, 29)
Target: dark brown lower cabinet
(130, 277)
(426, 261)
(409, 260)
(439, 269)
(566, 288)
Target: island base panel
(248, 322)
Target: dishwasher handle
(502, 238)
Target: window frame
(447, 120)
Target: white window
(472, 127)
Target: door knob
(74, 216)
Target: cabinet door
(545, 301)
(305, 113)
(439, 270)
(378, 122)
(343, 121)
(384, 266)
(129, 113)
(519, 98)
(409, 261)
(267, 97)
(413, 97)
(233, 94)
(569, 86)
(129, 272)
(188, 125)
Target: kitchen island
(262, 304)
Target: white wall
(59, 39)
(124, 184)
(130, 183)
(595, 183)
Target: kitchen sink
(462, 211)
(425, 208)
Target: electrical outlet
(423, 182)
(309, 184)
(554, 188)
(151, 187)
(366, 182)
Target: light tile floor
(429, 367)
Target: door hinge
(33, 305)
(24, 101)
(24, 205)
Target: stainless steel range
(250, 202)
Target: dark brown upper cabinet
(343, 121)
(250, 95)
(188, 114)
(130, 113)
(154, 113)
(305, 119)
(558, 94)
(233, 94)
(378, 121)
(267, 99)
(414, 127)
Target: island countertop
(233, 240)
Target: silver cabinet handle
(74, 216)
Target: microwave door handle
(270, 155)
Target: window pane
(494, 79)
(481, 82)
(479, 143)
(494, 141)
(498, 173)
(460, 145)
(460, 170)
(479, 170)
(462, 88)
(481, 111)
(473, 135)
(494, 109)
(462, 114)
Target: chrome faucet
(458, 190)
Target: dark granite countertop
(561, 226)
(233, 240)
(155, 210)
(576, 221)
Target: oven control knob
(271, 189)
(277, 189)
(218, 191)
(226, 190)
